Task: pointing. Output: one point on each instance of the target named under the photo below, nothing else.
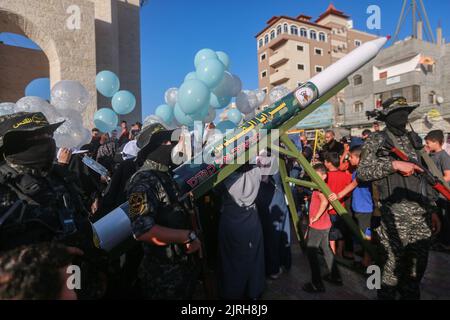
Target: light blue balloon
(203, 55)
(225, 125)
(223, 57)
(193, 96)
(107, 83)
(210, 72)
(123, 102)
(105, 119)
(234, 116)
(201, 115)
(181, 117)
(190, 76)
(165, 112)
(219, 102)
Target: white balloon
(7, 108)
(261, 95)
(242, 103)
(37, 104)
(237, 86)
(277, 93)
(171, 96)
(252, 99)
(69, 94)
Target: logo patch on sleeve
(138, 203)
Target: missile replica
(115, 227)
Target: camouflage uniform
(166, 272)
(405, 231)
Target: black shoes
(311, 288)
(333, 280)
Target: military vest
(35, 208)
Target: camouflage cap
(24, 122)
(153, 133)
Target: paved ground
(435, 285)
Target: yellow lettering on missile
(281, 106)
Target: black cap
(24, 122)
(155, 133)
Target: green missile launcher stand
(291, 151)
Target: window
(358, 106)
(357, 43)
(272, 34)
(341, 106)
(264, 90)
(301, 67)
(431, 97)
(415, 94)
(285, 28)
(313, 35)
(266, 39)
(264, 74)
(279, 30)
(397, 93)
(299, 83)
(263, 57)
(322, 37)
(260, 43)
(319, 69)
(304, 32)
(357, 80)
(300, 48)
(318, 51)
(294, 30)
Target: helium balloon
(203, 55)
(242, 103)
(201, 115)
(277, 93)
(261, 95)
(190, 76)
(171, 96)
(234, 116)
(210, 72)
(37, 104)
(165, 112)
(225, 125)
(225, 87)
(182, 118)
(211, 115)
(107, 83)
(237, 86)
(68, 94)
(219, 102)
(252, 99)
(7, 108)
(223, 57)
(193, 96)
(123, 102)
(105, 119)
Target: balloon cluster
(123, 101)
(69, 100)
(204, 91)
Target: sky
(172, 31)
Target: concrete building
(107, 37)
(292, 50)
(413, 68)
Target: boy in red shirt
(318, 233)
(337, 181)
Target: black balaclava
(162, 154)
(396, 121)
(35, 154)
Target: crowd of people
(231, 239)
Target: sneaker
(311, 288)
(332, 280)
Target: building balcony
(278, 58)
(279, 77)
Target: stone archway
(70, 52)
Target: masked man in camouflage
(39, 199)
(161, 220)
(408, 216)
